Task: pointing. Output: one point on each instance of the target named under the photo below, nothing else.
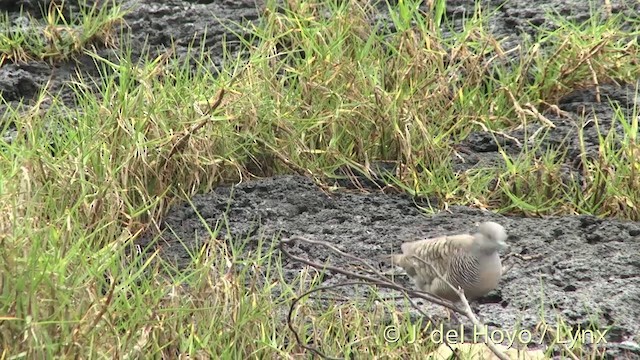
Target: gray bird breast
(476, 275)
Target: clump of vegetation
(58, 36)
(323, 89)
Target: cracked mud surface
(589, 268)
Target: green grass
(57, 36)
(316, 94)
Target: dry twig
(181, 142)
(380, 280)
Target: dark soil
(589, 268)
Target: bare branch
(380, 281)
(386, 283)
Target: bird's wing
(434, 251)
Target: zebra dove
(470, 261)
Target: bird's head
(492, 235)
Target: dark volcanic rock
(588, 270)
(582, 270)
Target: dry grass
(317, 94)
(57, 37)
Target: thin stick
(383, 282)
(467, 309)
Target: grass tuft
(60, 36)
(325, 87)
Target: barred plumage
(469, 261)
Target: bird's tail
(403, 261)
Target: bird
(468, 261)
